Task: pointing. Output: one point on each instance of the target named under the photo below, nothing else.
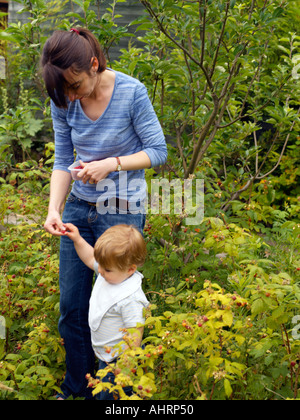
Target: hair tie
(75, 30)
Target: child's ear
(132, 269)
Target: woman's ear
(95, 64)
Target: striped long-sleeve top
(128, 125)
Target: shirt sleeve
(96, 268)
(64, 149)
(133, 313)
(148, 128)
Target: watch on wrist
(119, 167)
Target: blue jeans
(76, 282)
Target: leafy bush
(32, 354)
(224, 320)
(205, 341)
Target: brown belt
(120, 204)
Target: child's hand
(71, 232)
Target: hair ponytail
(64, 50)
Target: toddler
(117, 300)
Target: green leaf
(257, 307)
(227, 318)
(4, 36)
(228, 389)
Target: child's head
(119, 251)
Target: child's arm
(132, 316)
(133, 339)
(136, 336)
(84, 250)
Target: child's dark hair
(64, 50)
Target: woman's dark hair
(66, 50)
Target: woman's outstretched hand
(54, 224)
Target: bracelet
(119, 167)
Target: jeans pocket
(71, 199)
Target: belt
(120, 204)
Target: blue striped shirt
(127, 126)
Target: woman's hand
(94, 172)
(54, 224)
(59, 186)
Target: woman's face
(81, 85)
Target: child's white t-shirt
(113, 308)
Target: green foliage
(199, 347)
(220, 76)
(103, 25)
(19, 127)
(32, 354)
(225, 294)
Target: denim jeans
(110, 377)
(76, 282)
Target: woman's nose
(72, 96)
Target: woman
(107, 117)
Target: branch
(220, 40)
(263, 106)
(179, 132)
(216, 127)
(202, 30)
(236, 195)
(256, 177)
(181, 47)
(283, 149)
(204, 133)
